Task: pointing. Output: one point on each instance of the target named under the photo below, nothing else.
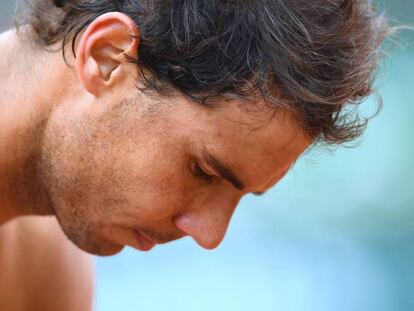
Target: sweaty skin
(116, 166)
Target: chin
(102, 249)
(109, 251)
(93, 245)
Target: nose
(206, 226)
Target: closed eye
(201, 173)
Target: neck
(25, 105)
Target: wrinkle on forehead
(258, 115)
(277, 126)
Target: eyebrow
(228, 174)
(222, 170)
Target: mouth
(143, 243)
(162, 238)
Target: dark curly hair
(315, 58)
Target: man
(157, 118)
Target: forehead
(261, 144)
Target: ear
(100, 55)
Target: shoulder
(48, 271)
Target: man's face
(162, 167)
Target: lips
(144, 243)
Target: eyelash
(199, 172)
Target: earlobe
(101, 52)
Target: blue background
(336, 234)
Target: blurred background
(336, 234)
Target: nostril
(182, 223)
(181, 234)
(182, 220)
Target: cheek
(147, 179)
(156, 190)
(63, 165)
(77, 167)
(112, 178)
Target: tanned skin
(41, 269)
(114, 166)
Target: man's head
(177, 109)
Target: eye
(201, 173)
